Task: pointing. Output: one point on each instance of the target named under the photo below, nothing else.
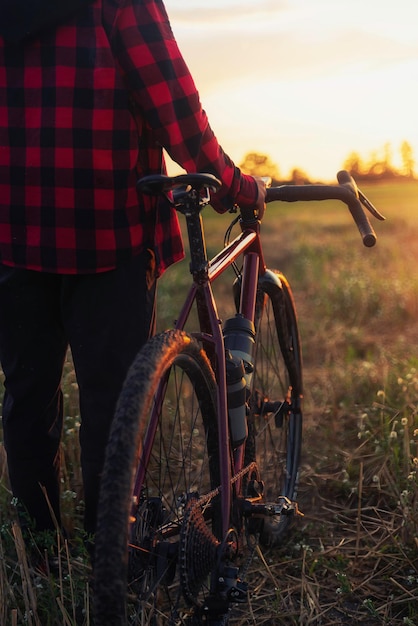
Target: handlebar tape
(346, 192)
(363, 224)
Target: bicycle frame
(204, 274)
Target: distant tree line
(379, 166)
(258, 164)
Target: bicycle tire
(275, 435)
(182, 464)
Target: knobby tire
(159, 515)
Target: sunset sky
(304, 81)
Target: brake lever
(369, 206)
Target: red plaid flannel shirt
(84, 111)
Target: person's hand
(260, 206)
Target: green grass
(353, 557)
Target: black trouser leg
(107, 318)
(32, 353)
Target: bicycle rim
(170, 504)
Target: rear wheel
(275, 420)
(159, 489)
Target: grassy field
(353, 557)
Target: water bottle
(239, 339)
(237, 396)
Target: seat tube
(249, 285)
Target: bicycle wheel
(158, 489)
(275, 420)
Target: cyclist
(90, 92)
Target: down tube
(247, 309)
(249, 285)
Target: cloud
(215, 59)
(218, 11)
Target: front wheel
(159, 487)
(275, 420)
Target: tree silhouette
(408, 161)
(298, 176)
(257, 164)
(354, 164)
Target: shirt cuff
(246, 194)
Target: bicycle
(203, 459)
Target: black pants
(105, 318)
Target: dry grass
(353, 557)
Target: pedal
(270, 509)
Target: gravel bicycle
(203, 458)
